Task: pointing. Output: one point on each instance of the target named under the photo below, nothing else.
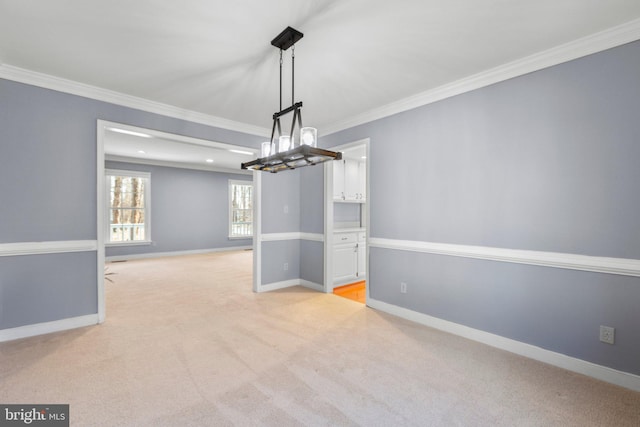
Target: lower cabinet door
(345, 263)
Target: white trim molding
(268, 287)
(50, 247)
(46, 81)
(275, 237)
(591, 44)
(117, 258)
(290, 283)
(620, 266)
(101, 219)
(623, 379)
(609, 38)
(313, 237)
(48, 327)
(257, 231)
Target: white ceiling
(214, 57)
(160, 148)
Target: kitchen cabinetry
(349, 180)
(349, 257)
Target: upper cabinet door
(362, 180)
(351, 180)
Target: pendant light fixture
(287, 151)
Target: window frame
(233, 182)
(147, 206)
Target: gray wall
(311, 199)
(43, 288)
(48, 169)
(548, 162)
(312, 221)
(275, 255)
(189, 210)
(280, 190)
(346, 212)
(311, 261)
(302, 192)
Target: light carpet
(187, 343)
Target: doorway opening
(175, 164)
(354, 291)
(346, 222)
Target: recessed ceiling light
(130, 132)
(141, 152)
(249, 153)
(364, 157)
(209, 160)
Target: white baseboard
(569, 363)
(312, 285)
(175, 253)
(279, 285)
(289, 283)
(48, 327)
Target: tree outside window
(128, 213)
(240, 209)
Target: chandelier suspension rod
(280, 79)
(293, 73)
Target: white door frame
(328, 214)
(101, 128)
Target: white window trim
(230, 203)
(147, 206)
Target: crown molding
(584, 46)
(607, 39)
(21, 75)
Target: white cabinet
(349, 257)
(349, 180)
(345, 257)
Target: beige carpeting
(187, 343)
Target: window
(240, 209)
(128, 207)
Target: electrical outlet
(286, 266)
(607, 334)
(403, 288)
